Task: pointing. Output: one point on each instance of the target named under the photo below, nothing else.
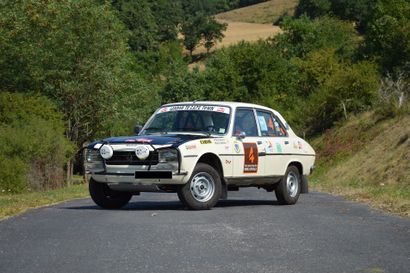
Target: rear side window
(270, 125)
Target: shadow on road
(176, 205)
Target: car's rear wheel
(203, 189)
(107, 198)
(288, 190)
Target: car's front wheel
(107, 198)
(203, 189)
(288, 190)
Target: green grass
(12, 204)
(262, 13)
(366, 160)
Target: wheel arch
(298, 165)
(214, 161)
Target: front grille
(129, 158)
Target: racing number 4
(251, 158)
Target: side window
(270, 125)
(245, 122)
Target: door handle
(286, 142)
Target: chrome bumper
(105, 177)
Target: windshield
(189, 118)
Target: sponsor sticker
(144, 140)
(269, 147)
(237, 147)
(262, 124)
(251, 158)
(190, 146)
(195, 107)
(278, 147)
(220, 141)
(205, 141)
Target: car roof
(232, 104)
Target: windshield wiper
(186, 130)
(155, 128)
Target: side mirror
(241, 135)
(137, 129)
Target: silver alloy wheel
(202, 187)
(292, 184)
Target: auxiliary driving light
(142, 152)
(106, 151)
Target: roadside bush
(33, 149)
(336, 88)
(394, 95)
(304, 35)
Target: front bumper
(178, 178)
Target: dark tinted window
(245, 122)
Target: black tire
(106, 198)
(196, 198)
(304, 185)
(286, 192)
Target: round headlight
(106, 151)
(142, 152)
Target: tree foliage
(388, 34)
(33, 149)
(354, 10)
(76, 53)
(303, 35)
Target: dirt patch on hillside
(266, 12)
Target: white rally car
(201, 150)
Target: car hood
(172, 139)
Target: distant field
(250, 23)
(238, 31)
(263, 13)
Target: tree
(212, 32)
(76, 53)
(313, 8)
(140, 20)
(335, 87)
(168, 15)
(388, 34)
(33, 148)
(192, 31)
(304, 35)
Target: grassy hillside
(263, 13)
(367, 160)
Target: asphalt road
(247, 233)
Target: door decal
(251, 158)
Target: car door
(249, 159)
(276, 142)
